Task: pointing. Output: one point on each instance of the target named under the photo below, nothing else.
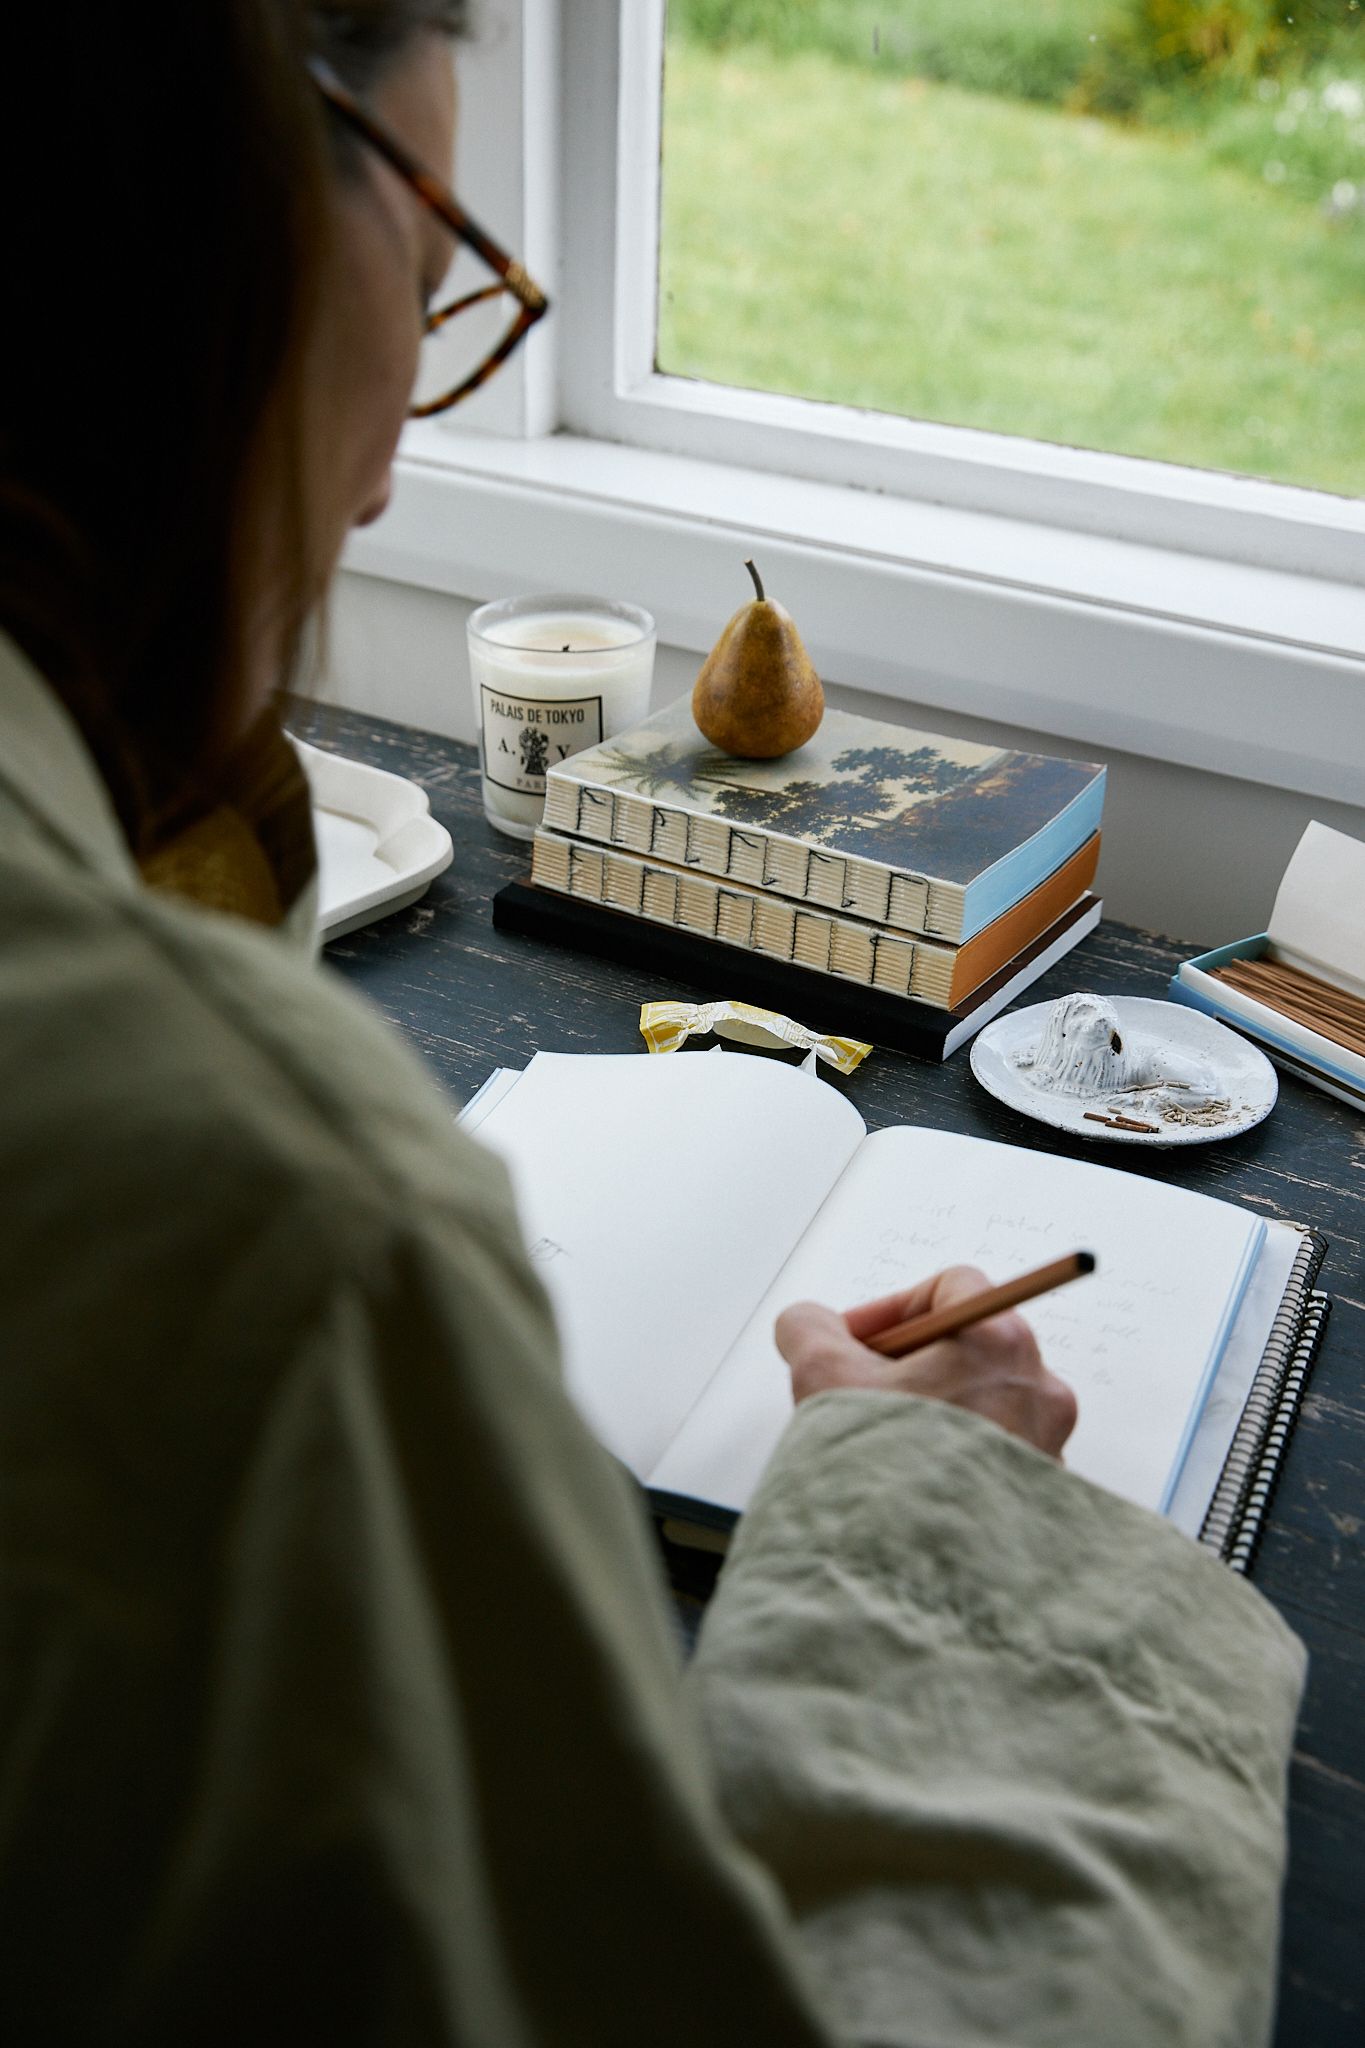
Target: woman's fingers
(940, 1290)
(992, 1368)
(821, 1353)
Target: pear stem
(758, 583)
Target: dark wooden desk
(471, 999)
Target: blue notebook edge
(1251, 1252)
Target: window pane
(1131, 225)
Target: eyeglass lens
(472, 313)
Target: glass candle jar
(551, 675)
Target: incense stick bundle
(1332, 1012)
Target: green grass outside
(916, 248)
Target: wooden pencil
(913, 1335)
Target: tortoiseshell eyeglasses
(510, 281)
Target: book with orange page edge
(900, 1023)
(939, 972)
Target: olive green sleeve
(1015, 1750)
(447, 1789)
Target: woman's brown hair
(163, 257)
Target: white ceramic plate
(379, 847)
(1241, 1074)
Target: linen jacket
(339, 1700)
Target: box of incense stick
(1298, 987)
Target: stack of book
(909, 885)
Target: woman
(339, 1699)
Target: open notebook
(672, 1206)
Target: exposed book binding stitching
(930, 971)
(909, 903)
(658, 794)
(737, 917)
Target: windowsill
(1106, 644)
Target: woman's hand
(993, 1367)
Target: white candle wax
(551, 676)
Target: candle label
(524, 736)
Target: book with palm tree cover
(909, 830)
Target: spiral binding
(1237, 1511)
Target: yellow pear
(758, 695)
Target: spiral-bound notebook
(674, 1205)
(1236, 1513)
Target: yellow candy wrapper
(666, 1026)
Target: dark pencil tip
(1085, 1262)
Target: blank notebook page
(1139, 1340)
(659, 1197)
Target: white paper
(1318, 922)
(487, 1097)
(659, 1196)
(1139, 1340)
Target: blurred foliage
(1105, 56)
(1270, 85)
(1194, 47)
(1304, 134)
(1274, 87)
(1037, 50)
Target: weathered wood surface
(472, 999)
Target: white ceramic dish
(379, 847)
(1176, 1039)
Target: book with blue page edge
(910, 830)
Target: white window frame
(1213, 621)
(612, 168)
